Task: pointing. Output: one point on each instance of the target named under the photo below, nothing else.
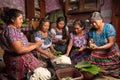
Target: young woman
(77, 44)
(44, 51)
(17, 57)
(102, 39)
(60, 35)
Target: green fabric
(55, 14)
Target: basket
(69, 72)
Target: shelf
(78, 11)
(81, 6)
(35, 9)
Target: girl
(44, 51)
(77, 44)
(60, 35)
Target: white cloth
(62, 60)
(53, 31)
(43, 46)
(41, 74)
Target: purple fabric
(52, 5)
(17, 65)
(18, 4)
(79, 41)
(77, 56)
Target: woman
(77, 43)
(60, 35)
(44, 51)
(102, 40)
(17, 57)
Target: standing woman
(77, 44)
(60, 35)
(17, 57)
(102, 40)
(44, 51)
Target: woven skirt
(107, 60)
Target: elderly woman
(102, 42)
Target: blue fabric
(102, 38)
(61, 47)
(47, 40)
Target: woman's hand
(53, 50)
(66, 54)
(91, 41)
(63, 41)
(82, 48)
(39, 43)
(92, 45)
(52, 56)
(95, 47)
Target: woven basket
(69, 72)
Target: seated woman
(44, 51)
(102, 42)
(60, 35)
(77, 43)
(18, 57)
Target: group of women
(19, 58)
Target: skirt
(78, 56)
(107, 60)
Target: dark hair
(60, 19)
(42, 21)
(9, 14)
(63, 29)
(80, 23)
